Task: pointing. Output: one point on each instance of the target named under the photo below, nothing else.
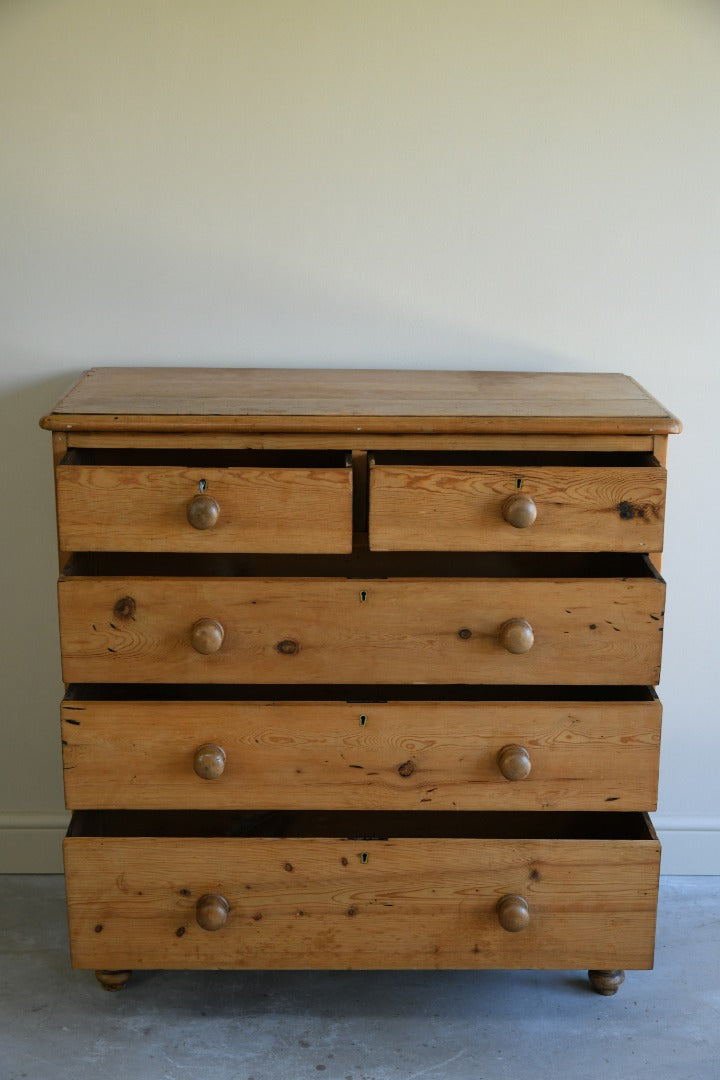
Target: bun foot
(112, 980)
(606, 983)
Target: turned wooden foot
(112, 980)
(606, 982)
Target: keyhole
(202, 484)
(363, 720)
(518, 482)
(363, 596)
(363, 856)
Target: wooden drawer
(464, 751)
(204, 501)
(601, 622)
(516, 502)
(417, 891)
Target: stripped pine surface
(328, 630)
(321, 902)
(423, 755)
(440, 508)
(332, 400)
(144, 508)
(349, 440)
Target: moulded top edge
(358, 401)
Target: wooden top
(373, 401)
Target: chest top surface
(354, 400)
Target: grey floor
(57, 1024)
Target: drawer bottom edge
(125, 962)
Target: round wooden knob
(519, 511)
(209, 761)
(514, 762)
(513, 913)
(203, 511)
(211, 911)
(516, 635)
(207, 636)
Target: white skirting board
(31, 843)
(689, 845)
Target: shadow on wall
(30, 669)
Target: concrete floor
(57, 1024)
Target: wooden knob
(211, 911)
(209, 761)
(203, 511)
(207, 636)
(516, 635)
(514, 762)
(513, 913)
(519, 511)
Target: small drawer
(516, 502)
(295, 891)
(523, 619)
(207, 501)
(460, 748)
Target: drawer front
(334, 903)
(506, 508)
(590, 630)
(422, 755)
(164, 508)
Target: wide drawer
(516, 502)
(417, 891)
(204, 502)
(326, 629)
(595, 750)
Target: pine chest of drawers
(359, 668)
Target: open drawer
(516, 501)
(371, 890)
(204, 501)
(469, 618)
(336, 747)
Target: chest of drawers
(359, 669)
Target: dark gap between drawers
(520, 458)
(352, 694)
(211, 459)
(366, 825)
(364, 564)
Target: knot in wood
(125, 608)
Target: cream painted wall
(416, 183)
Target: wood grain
(423, 755)
(144, 508)
(660, 452)
(59, 449)
(348, 440)
(314, 903)
(158, 853)
(443, 508)
(593, 630)
(331, 400)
